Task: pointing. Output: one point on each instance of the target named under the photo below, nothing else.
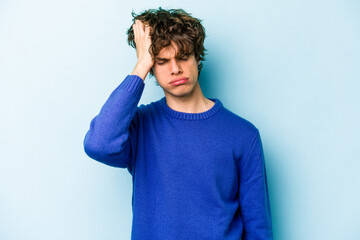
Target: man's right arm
(112, 133)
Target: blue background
(292, 68)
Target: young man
(198, 169)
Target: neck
(195, 102)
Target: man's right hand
(143, 42)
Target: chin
(180, 93)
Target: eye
(184, 58)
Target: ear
(153, 70)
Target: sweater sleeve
(253, 194)
(111, 138)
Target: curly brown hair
(173, 25)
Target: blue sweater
(195, 175)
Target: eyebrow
(166, 59)
(161, 59)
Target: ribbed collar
(191, 116)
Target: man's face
(168, 68)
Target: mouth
(179, 81)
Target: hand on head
(143, 42)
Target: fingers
(136, 26)
(141, 32)
(142, 40)
(147, 30)
(139, 27)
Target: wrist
(141, 69)
(145, 64)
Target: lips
(179, 81)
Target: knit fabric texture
(195, 175)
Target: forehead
(174, 51)
(168, 51)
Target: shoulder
(148, 110)
(241, 132)
(238, 124)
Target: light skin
(167, 67)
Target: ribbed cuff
(134, 84)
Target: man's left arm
(253, 194)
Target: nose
(175, 67)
